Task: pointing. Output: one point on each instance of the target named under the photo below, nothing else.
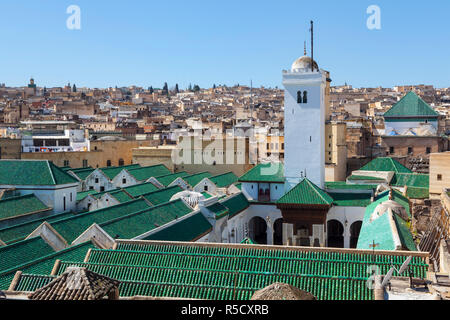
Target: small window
(66, 163)
(205, 188)
(124, 181)
(85, 163)
(91, 188)
(96, 180)
(439, 177)
(102, 189)
(299, 97)
(391, 150)
(428, 150)
(410, 150)
(305, 97)
(71, 197)
(121, 162)
(108, 163)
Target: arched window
(108, 163)
(299, 97)
(305, 97)
(121, 162)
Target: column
(269, 233)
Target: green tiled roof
(380, 231)
(226, 273)
(84, 194)
(411, 180)
(356, 177)
(111, 172)
(194, 179)
(16, 206)
(342, 185)
(385, 164)
(188, 229)
(139, 189)
(236, 204)
(169, 178)
(21, 231)
(411, 105)
(265, 172)
(82, 173)
(224, 180)
(44, 264)
(206, 195)
(31, 172)
(120, 196)
(351, 199)
(247, 240)
(135, 224)
(306, 193)
(22, 252)
(163, 195)
(418, 193)
(239, 186)
(71, 228)
(144, 173)
(218, 209)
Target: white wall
(346, 216)
(103, 181)
(304, 128)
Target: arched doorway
(355, 228)
(335, 232)
(278, 232)
(258, 230)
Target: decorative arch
(299, 97)
(355, 228)
(305, 96)
(335, 234)
(278, 232)
(258, 230)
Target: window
(124, 180)
(102, 189)
(391, 150)
(299, 97)
(410, 150)
(205, 188)
(108, 163)
(64, 203)
(85, 163)
(121, 162)
(282, 146)
(268, 146)
(91, 188)
(305, 97)
(66, 163)
(428, 150)
(71, 197)
(96, 180)
(439, 177)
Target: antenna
(312, 46)
(387, 278)
(405, 265)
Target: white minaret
(304, 123)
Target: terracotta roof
(77, 284)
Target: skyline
(209, 43)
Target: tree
(176, 88)
(150, 89)
(190, 87)
(74, 88)
(214, 86)
(165, 89)
(196, 88)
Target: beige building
(335, 151)
(439, 173)
(149, 156)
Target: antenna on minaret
(305, 49)
(312, 46)
(251, 100)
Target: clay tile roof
(77, 284)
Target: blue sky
(223, 42)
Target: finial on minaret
(305, 48)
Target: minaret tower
(304, 122)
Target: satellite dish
(405, 265)
(387, 277)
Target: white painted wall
(103, 181)
(304, 128)
(346, 216)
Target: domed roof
(303, 64)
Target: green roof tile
(112, 172)
(351, 199)
(194, 179)
(135, 224)
(139, 189)
(82, 173)
(411, 180)
(418, 193)
(235, 204)
(21, 231)
(385, 164)
(22, 252)
(218, 209)
(71, 228)
(163, 195)
(120, 196)
(411, 105)
(265, 172)
(189, 229)
(145, 173)
(342, 185)
(165, 180)
(306, 193)
(224, 180)
(357, 177)
(84, 194)
(21, 205)
(32, 172)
